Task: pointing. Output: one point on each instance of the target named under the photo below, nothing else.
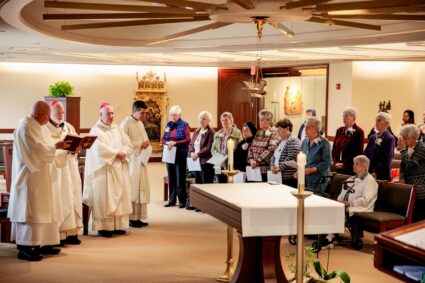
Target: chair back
(7, 155)
(336, 185)
(397, 198)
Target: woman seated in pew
(287, 150)
(359, 194)
(412, 167)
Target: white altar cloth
(271, 210)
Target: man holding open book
(69, 179)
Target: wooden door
(232, 98)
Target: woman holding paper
(221, 141)
(177, 134)
(264, 144)
(285, 156)
(200, 149)
(317, 150)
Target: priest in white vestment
(140, 194)
(107, 185)
(34, 205)
(69, 179)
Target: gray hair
(363, 160)
(205, 114)
(410, 130)
(266, 113)
(175, 109)
(352, 111)
(313, 121)
(103, 109)
(387, 117)
(226, 115)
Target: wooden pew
(5, 226)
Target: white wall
(194, 89)
(338, 99)
(400, 82)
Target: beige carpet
(178, 246)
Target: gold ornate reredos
(151, 82)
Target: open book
(85, 142)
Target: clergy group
(46, 201)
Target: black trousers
(206, 176)
(177, 180)
(290, 182)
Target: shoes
(104, 233)
(190, 208)
(29, 254)
(138, 224)
(144, 224)
(182, 205)
(119, 232)
(169, 205)
(72, 240)
(49, 250)
(198, 210)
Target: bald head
(58, 113)
(41, 112)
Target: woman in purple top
(380, 148)
(177, 133)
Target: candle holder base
(230, 174)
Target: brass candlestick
(228, 274)
(301, 194)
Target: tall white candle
(230, 147)
(301, 162)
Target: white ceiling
(25, 37)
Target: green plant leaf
(318, 267)
(329, 276)
(343, 276)
(61, 89)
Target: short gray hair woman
(226, 115)
(205, 114)
(363, 160)
(412, 167)
(314, 122)
(352, 111)
(175, 109)
(267, 114)
(385, 116)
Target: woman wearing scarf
(241, 152)
(177, 133)
(228, 131)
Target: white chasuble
(34, 194)
(107, 187)
(69, 180)
(138, 170)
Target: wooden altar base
(259, 260)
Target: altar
(262, 213)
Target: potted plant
(61, 89)
(310, 259)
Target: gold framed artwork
(152, 89)
(293, 103)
